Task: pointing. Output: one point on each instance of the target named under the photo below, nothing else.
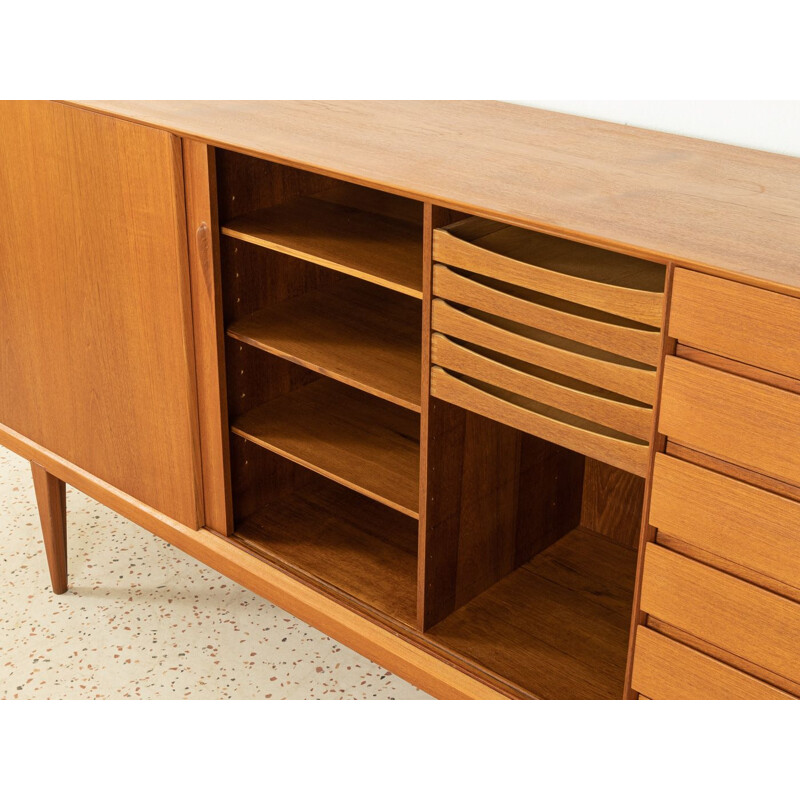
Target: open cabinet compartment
(321, 285)
(529, 557)
(355, 548)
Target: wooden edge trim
(373, 641)
(776, 379)
(658, 444)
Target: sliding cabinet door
(96, 358)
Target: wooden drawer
(622, 285)
(597, 441)
(666, 670)
(748, 622)
(551, 388)
(555, 353)
(749, 526)
(563, 318)
(733, 418)
(746, 324)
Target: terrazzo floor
(142, 620)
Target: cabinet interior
(520, 563)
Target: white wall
(762, 124)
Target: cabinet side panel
(96, 353)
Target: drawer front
(551, 388)
(755, 326)
(563, 318)
(733, 418)
(591, 439)
(667, 670)
(621, 285)
(551, 352)
(751, 623)
(748, 526)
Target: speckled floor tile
(143, 620)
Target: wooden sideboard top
(723, 209)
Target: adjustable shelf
(358, 333)
(358, 231)
(357, 440)
(557, 626)
(347, 542)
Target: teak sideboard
(506, 400)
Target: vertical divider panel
(657, 445)
(432, 217)
(206, 288)
(480, 517)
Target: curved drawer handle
(203, 241)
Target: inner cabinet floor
(558, 625)
(517, 559)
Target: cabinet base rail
(408, 656)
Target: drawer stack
(548, 336)
(721, 581)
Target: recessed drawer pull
(733, 418)
(616, 373)
(731, 519)
(749, 622)
(664, 669)
(554, 425)
(574, 396)
(751, 325)
(622, 285)
(582, 324)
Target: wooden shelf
(357, 440)
(556, 627)
(348, 542)
(334, 230)
(360, 334)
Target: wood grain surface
(358, 440)
(96, 350)
(51, 499)
(628, 287)
(727, 209)
(727, 517)
(597, 441)
(743, 619)
(667, 670)
(556, 353)
(743, 323)
(360, 334)
(732, 418)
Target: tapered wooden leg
(51, 497)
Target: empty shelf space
(557, 627)
(360, 441)
(357, 231)
(344, 540)
(358, 333)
